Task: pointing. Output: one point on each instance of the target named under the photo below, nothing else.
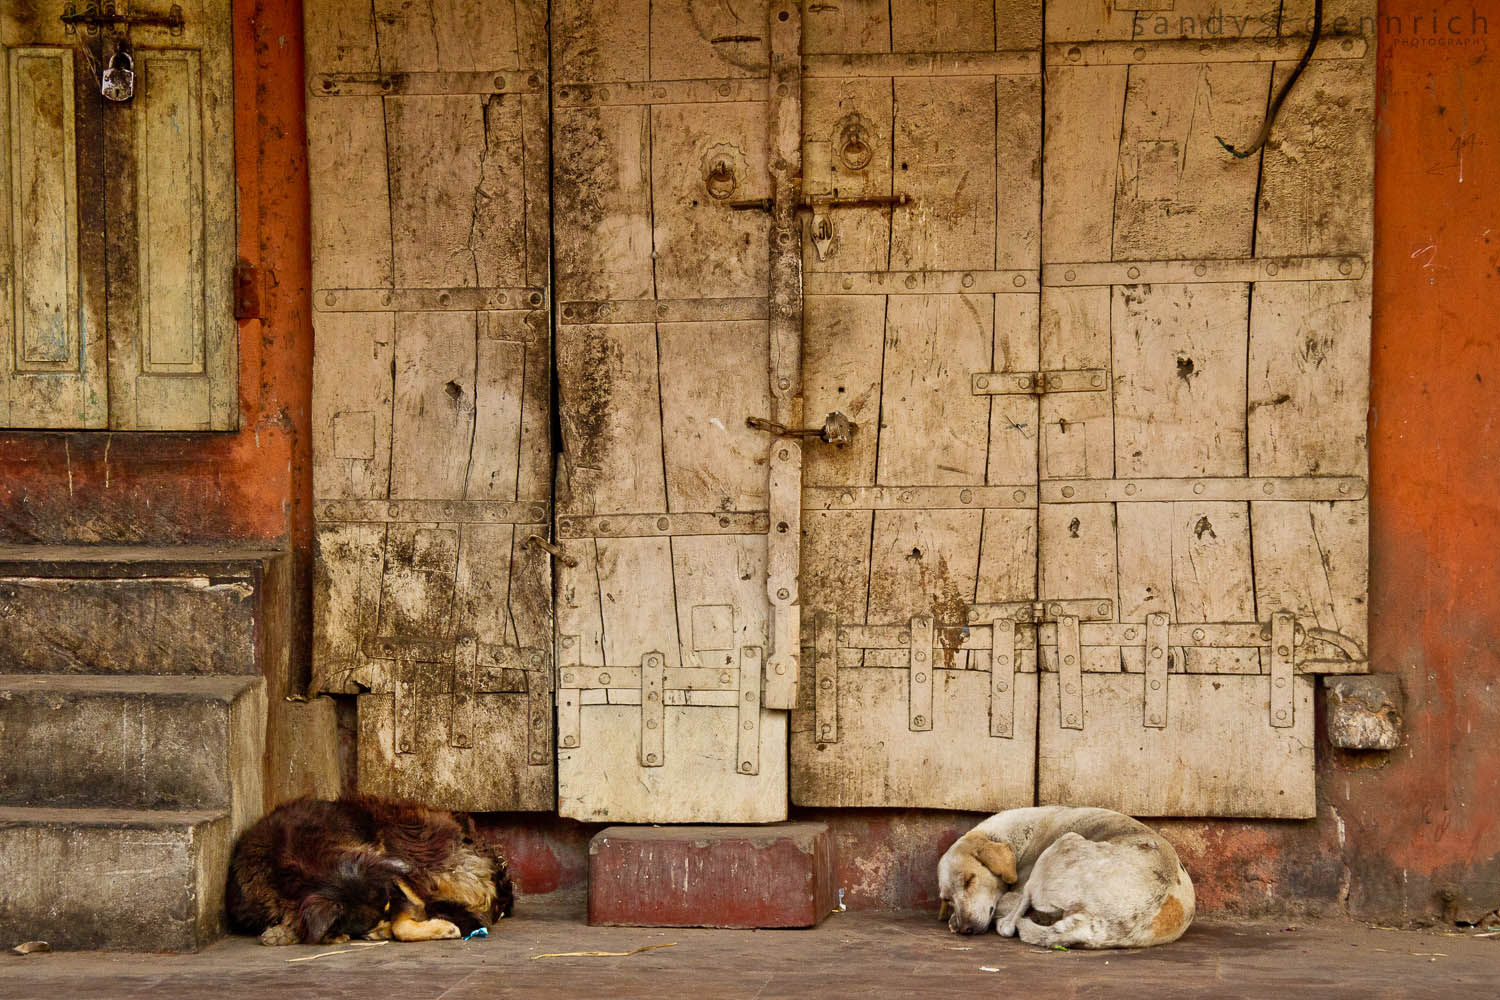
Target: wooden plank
(927, 562)
(1151, 20)
(843, 338)
(1178, 194)
(339, 37)
(857, 26)
(944, 159)
(1218, 756)
(600, 40)
(610, 413)
(919, 25)
(352, 395)
(702, 247)
(351, 242)
(846, 130)
(455, 174)
(933, 429)
(432, 35)
(51, 312)
(347, 561)
(1080, 161)
(174, 349)
(712, 379)
(602, 172)
(432, 420)
(689, 41)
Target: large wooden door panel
(663, 352)
(427, 145)
(1213, 485)
(919, 537)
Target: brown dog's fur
(320, 871)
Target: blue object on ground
(478, 932)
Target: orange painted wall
(1393, 830)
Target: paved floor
(850, 954)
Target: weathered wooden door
(1139, 471)
(1215, 487)
(427, 148)
(665, 346)
(919, 537)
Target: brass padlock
(118, 82)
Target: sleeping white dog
(1083, 878)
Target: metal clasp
(837, 430)
(118, 81)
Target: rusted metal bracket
(558, 552)
(837, 430)
(810, 205)
(247, 290)
(116, 12)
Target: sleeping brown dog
(323, 871)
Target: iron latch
(117, 12)
(837, 430)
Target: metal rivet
(973, 614)
(1104, 607)
(568, 678)
(1070, 275)
(843, 638)
(1198, 487)
(1272, 268)
(920, 678)
(1096, 381)
(1281, 714)
(1130, 633)
(1024, 381)
(1075, 54)
(662, 523)
(1345, 267)
(746, 766)
(1343, 487)
(1200, 270)
(749, 695)
(783, 454)
(1268, 488)
(827, 729)
(1072, 689)
(569, 741)
(1155, 652)
(1067, 491)
(919, 654)
(827, 685)
(1139, 53)
(1054, 610)
(1003, 660)
(967, 281)
(911, 281)
(443, 298)
(650, 723)
(603, 526)
(783, 383)
(651, 758)
(604, 678)
(1019, 496)
(1155, 685)
(1198, 634)
(1130, 489)
(965, 496)
(903, 638)
(748, 725)
(1001, 685)
(1156, 719)
(1072, 720)
(1019, 280)
(567, 641)
(499, 82)
(723, 90)
(981, 382)
(724, 677)
(783, 594)
(1282, 651)
(653, 696)
(330, 299)
(1068, 659)
(1133, 272)
(1281, 682)
(920, 720)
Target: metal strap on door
(1025, 636)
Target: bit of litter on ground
(604, 954)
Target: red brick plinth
(777, 875)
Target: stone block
(1364, 711)
(113, 879)
(778, 875)
(133, 742)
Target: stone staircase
(136, 686)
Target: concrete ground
(850, 954)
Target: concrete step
(112, 878)
(776, 875)
(143, 610)
(134, 742)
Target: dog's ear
(999, 859)
(315, 916)
(365, 864)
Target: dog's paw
(1005, 928)
(380, 932)
(278, 935)
(337, 939)
(445, 930)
